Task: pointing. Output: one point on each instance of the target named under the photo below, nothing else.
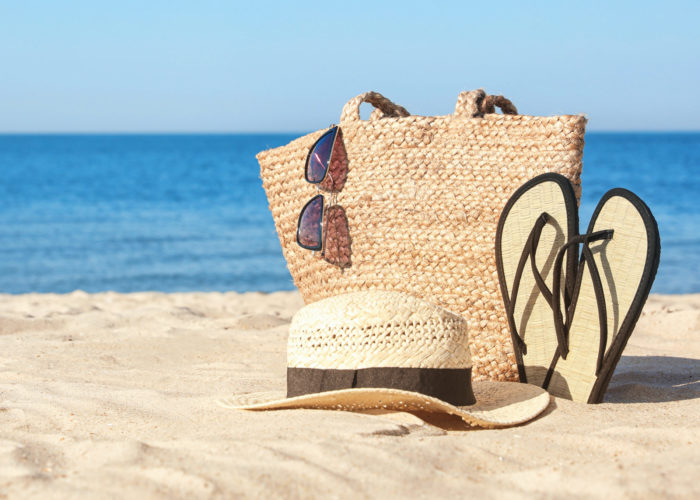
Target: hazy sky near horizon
(226, 66)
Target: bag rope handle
(351, 110)
(477, 103)
(472, 104)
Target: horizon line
(292, 132)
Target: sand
(111, 395)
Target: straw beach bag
(423, 196)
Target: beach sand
(113, 395)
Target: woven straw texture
(498, 404)
(372, 329)
(423, 196)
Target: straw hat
(389, 350)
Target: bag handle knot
(477, 103)
(351, 110)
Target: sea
(179, 213)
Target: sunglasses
(320, 227)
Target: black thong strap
(529, 250)
(562, 324)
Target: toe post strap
(562, 324)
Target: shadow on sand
(654, 379)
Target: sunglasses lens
(320, 156)
(309, 230)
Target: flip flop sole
(627, 264)
(533, 317)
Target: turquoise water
(187, 212)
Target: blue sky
(224, 66)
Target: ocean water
(187, 212)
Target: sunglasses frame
(334, 129)
(323, 232)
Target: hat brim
(498, 404)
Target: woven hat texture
(499, 404)
(381, 329)
(423, 196)
(371, 329)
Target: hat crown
(376, 329)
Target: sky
(260, 66)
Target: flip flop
(540, 217)
(619, 258)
